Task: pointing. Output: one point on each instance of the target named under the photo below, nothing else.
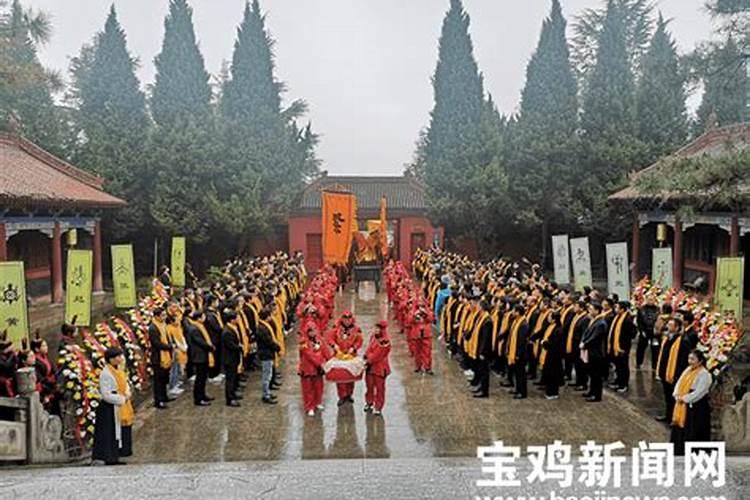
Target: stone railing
(32, 436)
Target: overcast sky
(364, 66)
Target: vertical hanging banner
(339, 222)
(13, 313)
(730, 280)
(561, 259)
(383, 228)
(178, 262)
(661, 267)
(618, 270)
(579, 248)
(79, 280)
(123, 276)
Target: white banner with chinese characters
(661, 267)
(618, 267)
(561, 258)
(579, 249)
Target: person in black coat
(201, 354)
(484, 353)
(581, 319)
(593, 350)
(646, 319)
(214, 325)
(160, 348)
(231, 358)
(517, 360)
(551, 349)
(619, 345)
(267, 349)
(691, 336)
(669, 377)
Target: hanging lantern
(72, 237)
(661, 233)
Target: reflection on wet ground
(424, 416)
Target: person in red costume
(312, 355)
(420, 337)
(346, 338)
(378, 368)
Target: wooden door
(313, 252)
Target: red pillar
(678, 257)
(734, 238)
(57, 282)
(3, 243)
(98, 281)
(636, 251)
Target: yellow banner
(123, 276)
(339, 221)
(13, 314)
(730, 278)
(178, 262)
(78, 281)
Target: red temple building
(43, 199)
(408, 225)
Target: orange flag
(339, 221)
(383, 228)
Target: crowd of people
(507, 317)
(319, 345)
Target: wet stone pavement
(424, 417)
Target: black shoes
(234, 403)
(519, 396)
(269, 401)
(160, 406)
(661, 418)
(593, 399)
(481, 395)
(202, 403)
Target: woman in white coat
(108, 431)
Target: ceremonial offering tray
(342, 369)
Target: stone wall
(49, 317)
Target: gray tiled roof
(402, 193)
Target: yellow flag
(339, 220)
(383, 228)
(178, 261)
(13, 313)
(78, 287)
(730, 277)
(123, 276)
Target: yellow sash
(547, 334)
(165, 357)
(127, 415)
(207, 339)
(513, 341)
(571, 332)
(614, 334)
(679, 414)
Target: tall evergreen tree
(545, 140)
(609, 91)
(266, 156)
(452, 146)
(661, 113)
(25, 86)
(183, 146)
(112, 116)
(726, 83)
(181, 90)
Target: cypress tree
(453, 148)
(181, 89)
(183, 146)
(112, 115)
(662, 119)
(549, 101)
(609, 93)
(262, 145)
(545, 136)
(26, 91)
(725, 95)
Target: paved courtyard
(425, 416)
